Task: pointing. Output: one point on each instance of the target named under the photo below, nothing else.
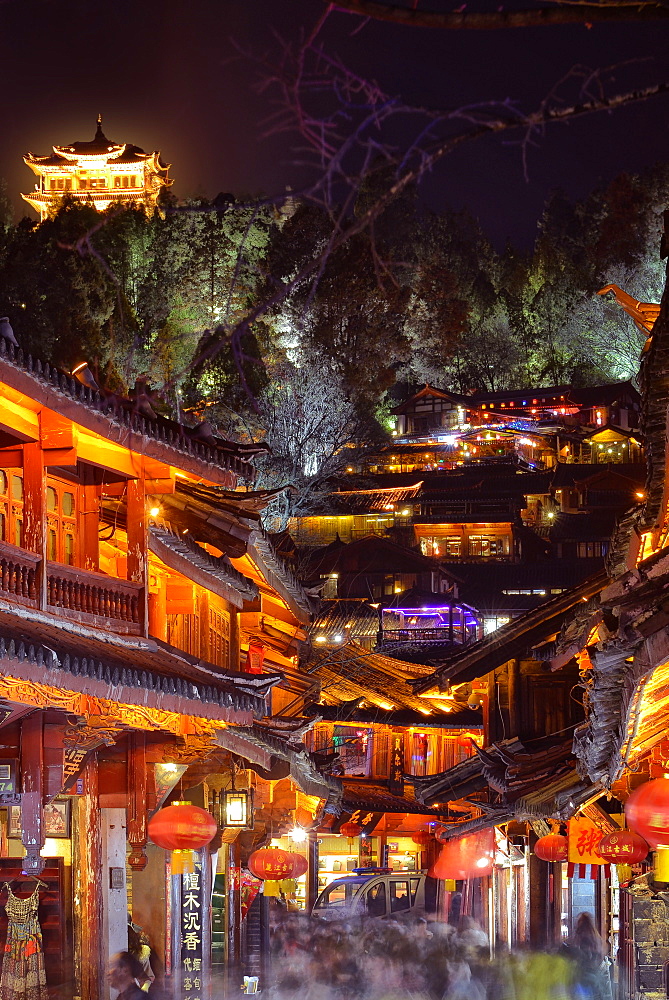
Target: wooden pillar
(512, 674)
(32, 783)
(539, 915)
(157, 602)
(203, 612)
(137, 822)
(90, 961)
(234, 918)
(138, 543)
(235, 639)
(34, 512)
(312, 871)
(90, 528)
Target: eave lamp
(238, 808)
(182, 828)
(647, 813)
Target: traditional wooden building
(374, 733)
(101, 173)
(148, 634)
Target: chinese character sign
(191, 925)
(583, 840)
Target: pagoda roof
(97, 145)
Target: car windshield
(339, 893)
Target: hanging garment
(23, 976)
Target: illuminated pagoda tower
(100, 172)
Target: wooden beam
(138, 543)
(19, 422)
(32, 798)
(11, 458)
(34, 512)
(56, 431)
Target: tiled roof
(584, 526)
(377, 798)
(136, 671)
(373, 554)
(220, 570)
(513, 640)
(272, 738)
(534, 781)
(349, 671)
(567, 474)
(43, 382)
(351, 712)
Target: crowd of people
(388, 959)
(393, 960)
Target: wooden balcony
(91, 598)
(94, 597)
(18, 574)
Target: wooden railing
(439, 634)
(18, 572)
(92, 593)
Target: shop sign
(583, 839)
(191, 923)
(8, 780)
(396, 779)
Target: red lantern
(624, 847)
(300, 865)
(551, 848)
(182, 828)
(271, 863)
(647, 812)
(470, 856)
(350, 830)
(422, 838)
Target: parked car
(377, 892)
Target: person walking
(592, 978)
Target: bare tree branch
(577, 12)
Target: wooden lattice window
(11, 507)
(61, 518)
(219, 637)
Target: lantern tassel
(661, 866)
(183, 862)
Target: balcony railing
(94, 594)
(439, 634)
(18, 573)
(82, 594)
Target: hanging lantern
(350, 830)
(182, 828)
(271, 863)
(300, 864)
(624, 847)
(647, 813)
(553, 847)
(422, 838)
(470, 856)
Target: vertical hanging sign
(192, 916)
(396, 778)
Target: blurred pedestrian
(592, 977)
(123, 975)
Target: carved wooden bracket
(192, 748)
(81, 738)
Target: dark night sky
(161, 74)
